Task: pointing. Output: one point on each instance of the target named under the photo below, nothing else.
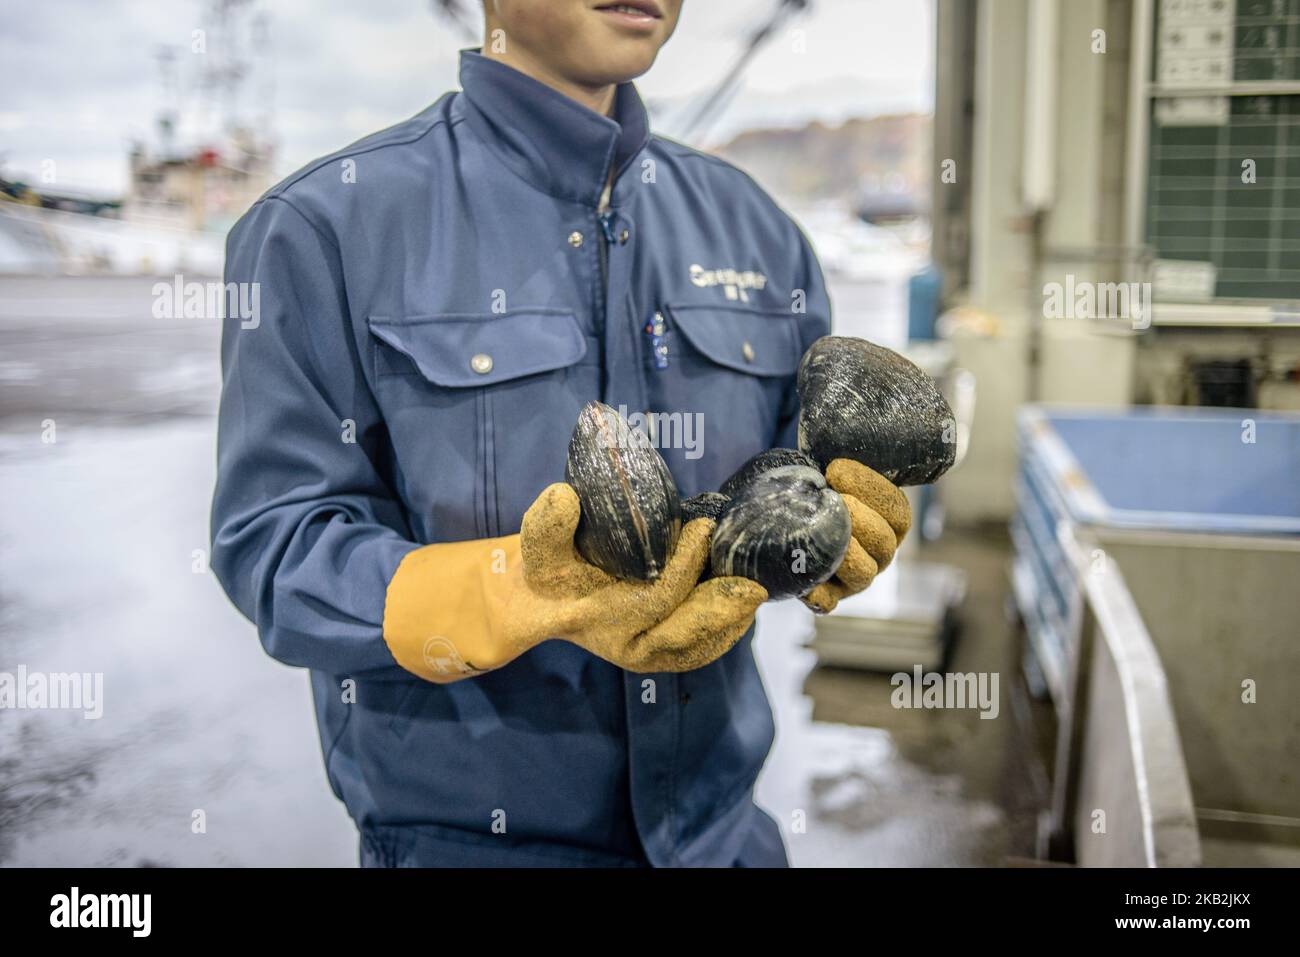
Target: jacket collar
(548, 139)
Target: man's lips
(642, 12)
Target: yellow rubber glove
(459, 609)
(881, 519)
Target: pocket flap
(759, 343)
(465, 350)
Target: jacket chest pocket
(479, 410)
(732, 370)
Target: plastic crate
(1194, 515)
(1194, 470)
(1189, 471)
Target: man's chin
(620, 69)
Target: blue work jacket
(435, 304)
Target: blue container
(1166, 471)
(923, 293)
(1195, 470)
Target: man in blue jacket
(438, 301)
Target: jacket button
(481, 363)
(575, 239)
(748, 352)
(624, 236)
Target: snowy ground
(102, 570)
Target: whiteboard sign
(1183, 280)
(1192, 111)
(1195, 43)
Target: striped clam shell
(631, 512)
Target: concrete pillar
(999, 258)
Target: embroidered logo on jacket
(735, 284)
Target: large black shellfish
(763, 462)
(704, 505)
(631, 512)
(864, 402)
(785, 529)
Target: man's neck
(598, 98)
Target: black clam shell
(704, 505)
(864, 402)
(631, 513)
(786, 530)
(763, 462)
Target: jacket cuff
(438, 620)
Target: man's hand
(458, 609)
(881, 518)
(670, 624)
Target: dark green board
(1198, 207)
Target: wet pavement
(103, 569)
(883, 787)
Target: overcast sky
(81, 78)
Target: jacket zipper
(605, 224)
(604, 237)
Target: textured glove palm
(881, 519)
(459, 609)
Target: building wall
(999, 254)
(1019, 243)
